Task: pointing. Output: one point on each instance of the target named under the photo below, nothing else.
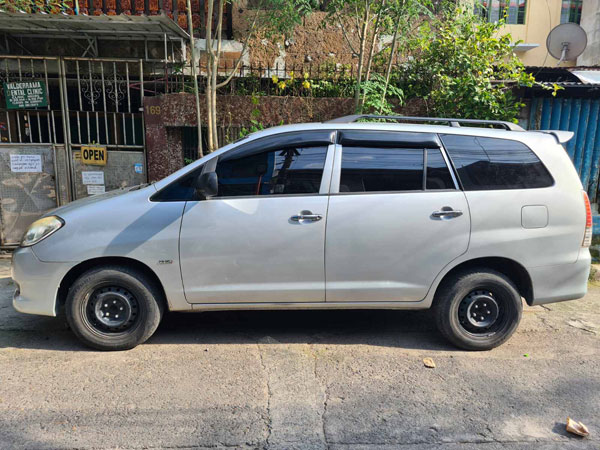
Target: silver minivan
(465, 217)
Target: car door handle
(306, 215)
(446, 213)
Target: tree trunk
(372, 47)
(209, 72)
(361, 56)
(213, 105)
(215, 73)
(370, 55)
(208, 98)
(214, 55)
(388, 69)
(195, 76)
(373, 39)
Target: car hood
(61, 210)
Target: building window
(513, 11)
(571, 11)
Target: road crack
(325, 389)
(269, 419)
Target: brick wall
(316, 41)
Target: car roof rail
(450, 122)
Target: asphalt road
(301, 380)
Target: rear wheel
(478, 309)
(113, 308)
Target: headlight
(41, 229)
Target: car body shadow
(400, 329)
(389, 328)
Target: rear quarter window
(490, 163)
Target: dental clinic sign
(25, 94)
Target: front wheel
(113, 308)
(477, 309)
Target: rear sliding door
(396, 217)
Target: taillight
(587, 237)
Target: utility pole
(195, 75)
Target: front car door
(396, 217)
(262, 237)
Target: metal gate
(103, 103)
(25, 195)
(581, 116)
(89, 101)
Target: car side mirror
(208, 184)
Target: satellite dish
(566, 42)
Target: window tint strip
(282, 140)
(387, 139)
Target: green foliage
(367, 20)
(255, 123)
(183, 83)
(374, 101)
(334, 80)
(296, 84)
(277, 17)
(334, 87)
(404, 14)
(460, 66)
(255, 113)
(255, 126)
(247, 85)
(464, 67)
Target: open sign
(93, 155)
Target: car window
(492, 163)
(438, 174)
(298, 172)
(180, 190)
(292, 170)
(369, 169)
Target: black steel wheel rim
(111, 310)
(483, 312)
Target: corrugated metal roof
(562, 69)
(587, 76)
(568, 76)
(63, 25)
(577, 84)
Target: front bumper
(37, 282)
(561, 282)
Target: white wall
(590, 21)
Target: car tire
(477, 309)
(114, 308)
